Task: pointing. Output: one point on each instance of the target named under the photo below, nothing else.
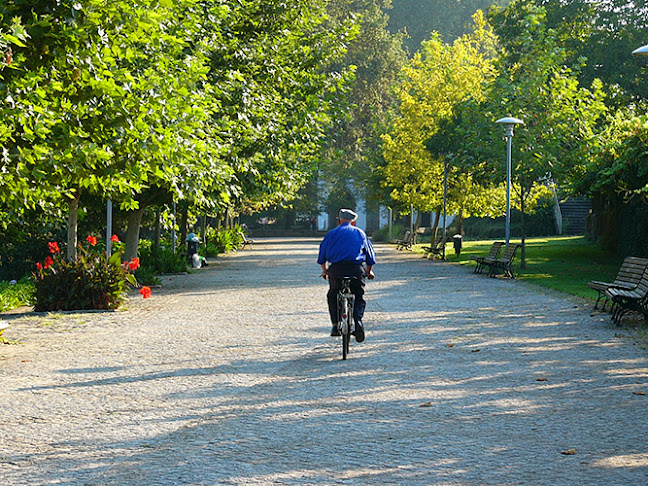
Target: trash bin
(192, 247)
(456, 240)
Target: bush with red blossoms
(90, 282)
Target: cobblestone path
(228, 376)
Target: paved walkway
(227, 376)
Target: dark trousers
(337, 270)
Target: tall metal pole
(509, 138)
(109, 215)
(391, 219)
(173, 232)
(445, 200)
(509, 123)
(412, 223)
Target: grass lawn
(563, 263)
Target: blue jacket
(348, 244)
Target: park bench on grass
(503, 264)
(492, 255)
(436, 251)
(245, 241)
(627, 300)
(405, 242)
(628, 277)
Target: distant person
(350, 254)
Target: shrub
(223, 240)
(158, 261)
(210, 249)
(90, 282)
(146, 275)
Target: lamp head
(510, 121)
(642, 51)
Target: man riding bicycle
(348, 250)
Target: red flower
(114, 239)
(92, 240)
(134, 264)
(53, 247)
(146, 292)
(48, 262)
(39, 266)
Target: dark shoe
(335, 331)
(359, 332)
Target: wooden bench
(436, 251)
(492, 256)
(503, 264)
(405, 242)
(628, 277)
(245, 241)
(627, 300)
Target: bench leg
(597, 301)
(623, 306)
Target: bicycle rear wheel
(345, 324)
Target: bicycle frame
(346, 301)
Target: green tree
(617, 182)
(435, 82)
(353, 140)
(534, 84)
(100, 105)
(597, 36)
(276, 79)
(450, 18)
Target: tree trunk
(73, 220)
(435, 226)
(184, 222)
(132, 234)
(522, 231)
(203, 228)
(460, 222)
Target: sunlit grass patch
(563, 263)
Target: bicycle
(346, 301)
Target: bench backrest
(495, 249)
(442, 241)
(509, 252)
(407, 236)
(642, 284)
(631, 271)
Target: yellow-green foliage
(436, 80)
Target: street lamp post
(173, 231)
(445, 201)
(109, 218)
(509, 123)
